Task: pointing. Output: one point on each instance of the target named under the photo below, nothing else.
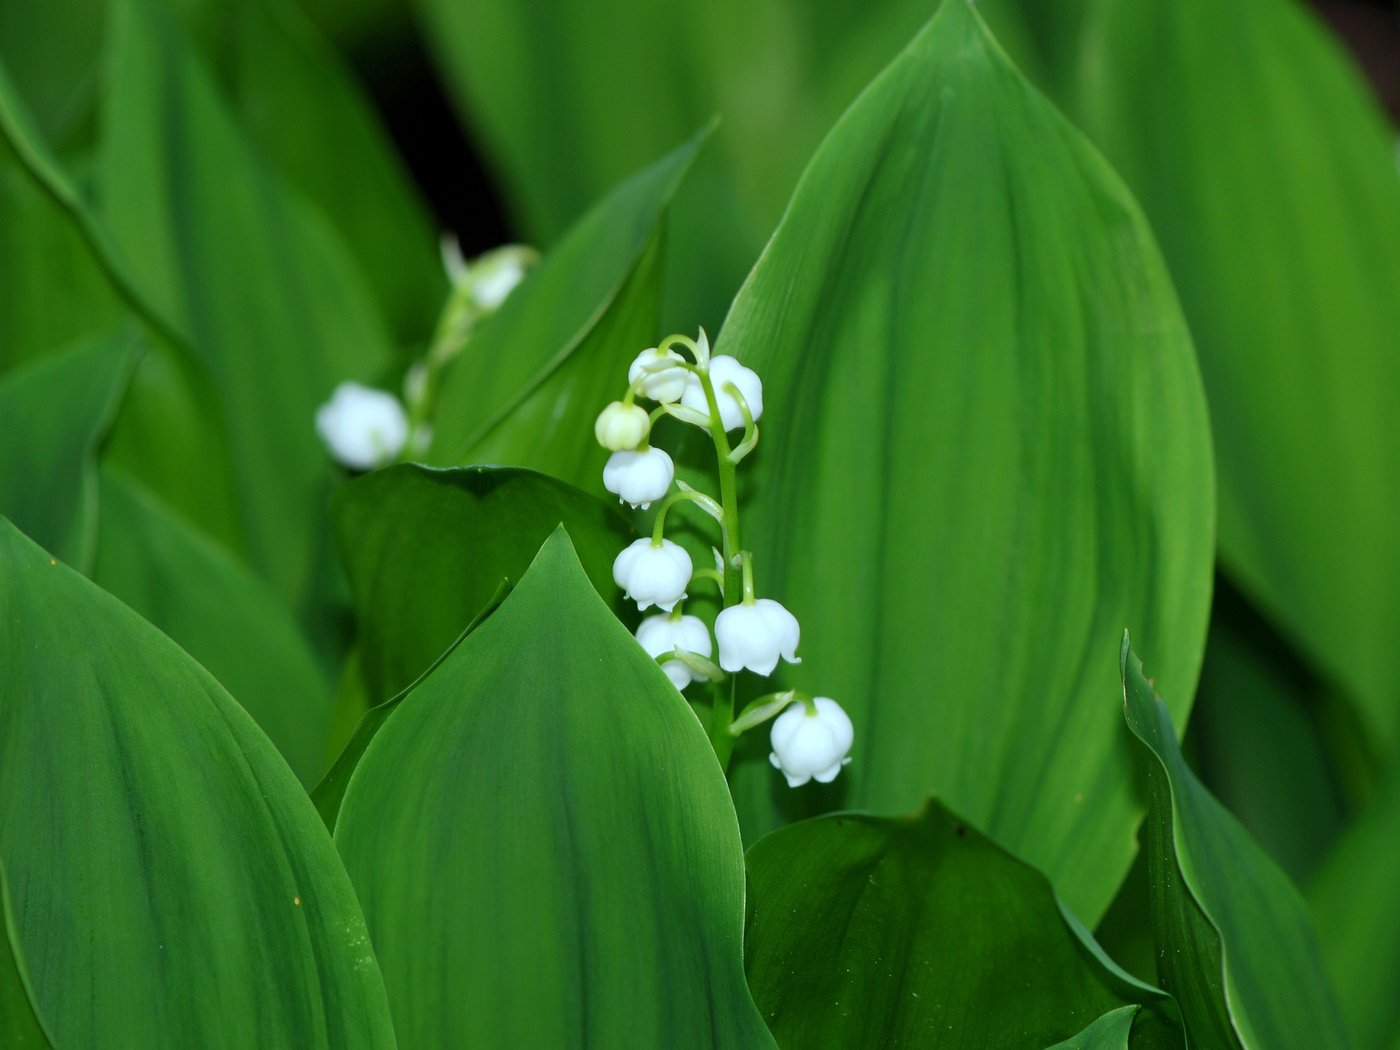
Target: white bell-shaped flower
(811, 744)
(621, 428)
(362, 427)
(661, 380)
(723, 371)
(659, 635)
(639, 478)
(652, 575)
(755, 636)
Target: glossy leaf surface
(872, 932)
(984, 450)
(1268, 174)
(426, 549)
(1234, 944)
(543, 843)
(53, 414)
(172, 882)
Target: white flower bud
(653, 575)
(622, 428)
(638, 478)
(495, 276)
(362, 427)
(811, 744)
(725, 370)
(659, 635)
(754, 636)
(660, 381)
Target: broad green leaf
(1109, 1032)
(266, 293)
(330, 792)
(574, 324)
(53, 415)
(1356, 912)
(20, 1026)
(300, 106)
(426, 550)
(1234, 943)
(172, 882)
(984, 450)
(544, 845)
(872, 932)
(219, 613)
(1269, 177)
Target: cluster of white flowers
(811, 736)
(364, 428)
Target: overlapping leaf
(172, 883)
(20, 1026)
(543, 843)
(219, 612)
(1357, 914)
(258, 281)
(53, 415)
(535, 375)
(427, 549)
(1269, 176)
(870, 932)
(1234, 945)
(984, 450)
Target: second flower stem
(723, 712)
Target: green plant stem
(722, 713)
(453, 329)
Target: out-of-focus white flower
(638, 478)
(723, 371)
(652, 575)
(362, 427)
(659, 635)
(660, 380)
(621, 428)
(489, 278)
(755, 636)
(811, 744)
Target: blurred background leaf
(1270, 177)
(53, 416)
(1234, 943)
(426, 550)
(595, 895)
(979, 459)
(871, 932)
(171, 880)
(1357, 914)
(260, 283)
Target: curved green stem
(723, 712)
(685, 495)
